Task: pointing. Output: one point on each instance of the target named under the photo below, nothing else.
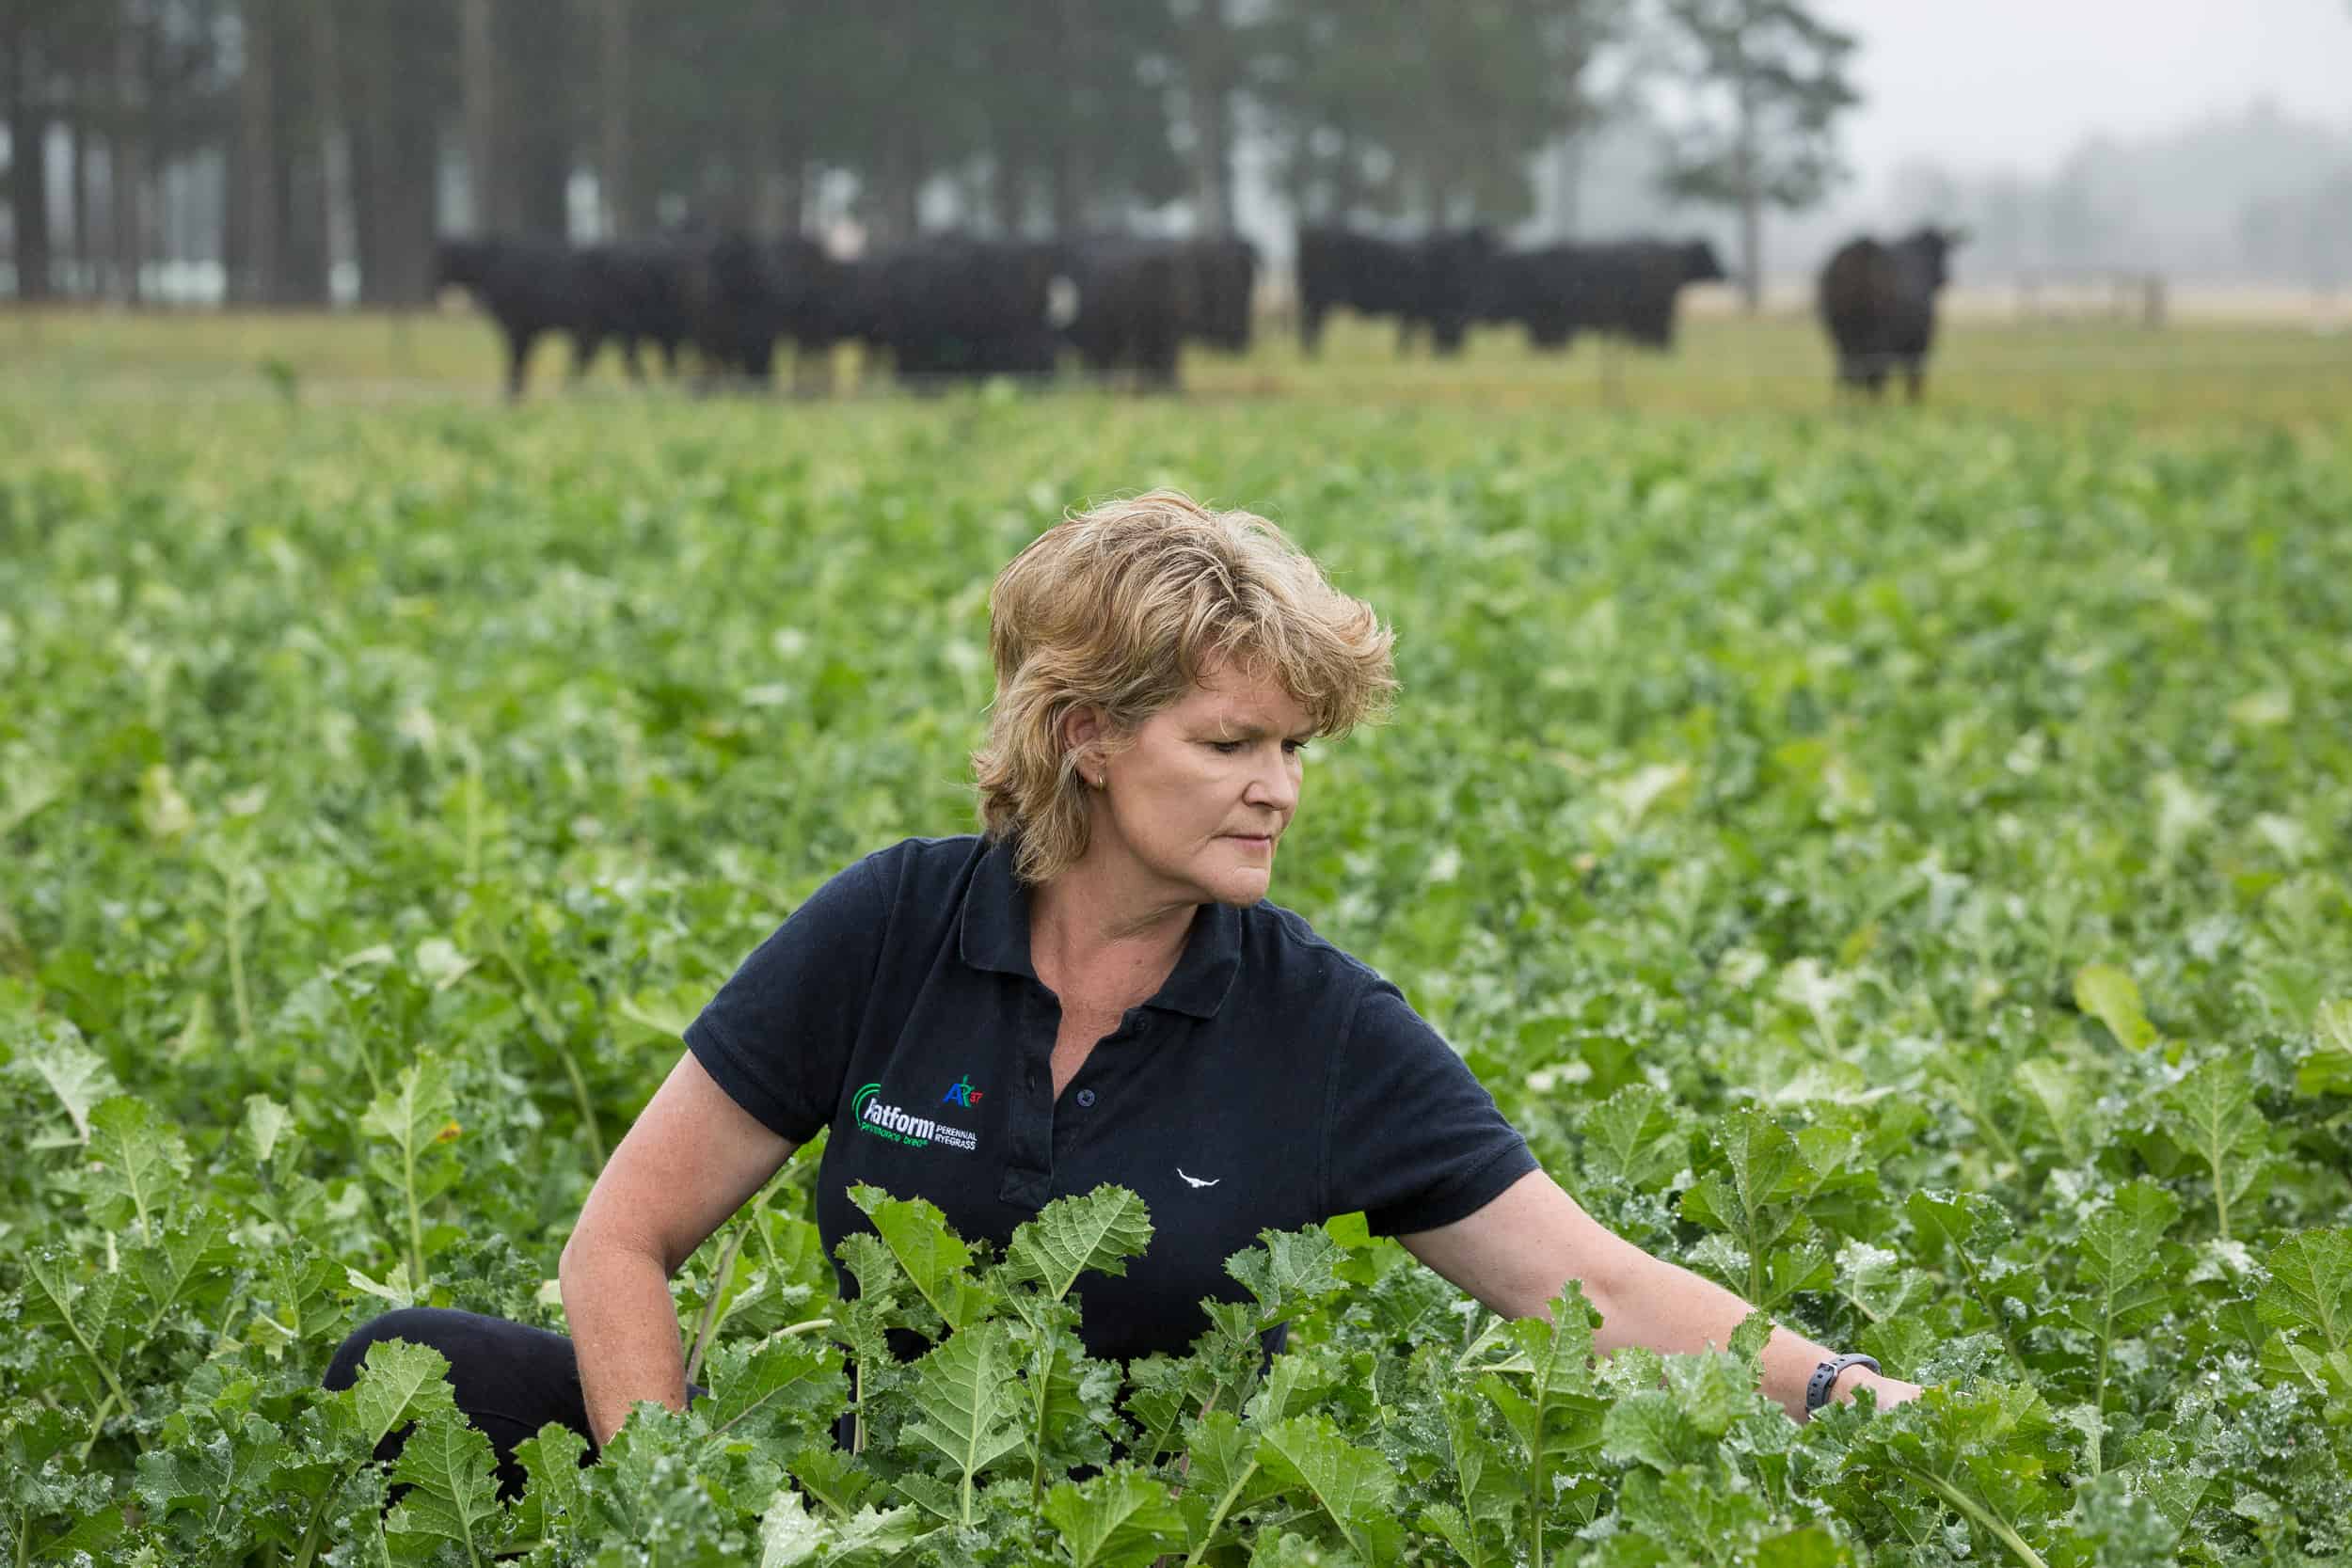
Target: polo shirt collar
(996, 936)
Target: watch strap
(1825, 1375)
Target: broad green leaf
(2067, 1098)
(2124, 1263)
(1119, 1519)
(935, 1259)
(789, 1535)
(766, 1389)
(185, 1266)
(1352, 1486)
(412, 1114)
(1875, 1281)
(554, 1499)
(1287, 1271)
(969, 1398)
(265, 1125)
(2109, 995)
(398, 1382)
(1071, 1236)
(834, 1477)
(1222, 1476)
(140, 1166)
(78, 1076)
(1634, 1136)
(2311, 1287)
(2212, 1115)
(453, 1495)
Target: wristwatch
(1817, 1387)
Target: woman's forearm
(625, 1327)
(1647, 1301)
(1514, 1253)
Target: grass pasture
(2280, 370)
(1893, 864)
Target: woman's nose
(1275, 787)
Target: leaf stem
(544, 1021)
(719, 1273)
(232, 910)
(1978, 1511)
(415, 1216)
(1216, 1518)
(1992, 1308)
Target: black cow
(529, 287)
(636, 291)
(1878, 302)
(1626, 288)
(954, 307)
(1136, 300)
(1224, 286)
(1435, 283)
(742, 295)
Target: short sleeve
(1411, 1136)
(779, 1034)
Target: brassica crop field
(1895, 866)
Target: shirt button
(1086, 1097)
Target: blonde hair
(1124, 608)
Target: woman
(1093, 989)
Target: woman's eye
(1294, 747)
(1226, 748)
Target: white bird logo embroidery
(1196, 1181)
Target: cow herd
(939, 309)
(1447, 283)
(951, 307)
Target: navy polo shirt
(1273, 1081)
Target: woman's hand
(1887, 1390)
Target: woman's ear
(1084, 728)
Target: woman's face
(1200, 799)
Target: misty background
(292, 152)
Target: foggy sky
(1977, 84)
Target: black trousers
(510, 1379)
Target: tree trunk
(615, 177)
(298, 175)
(126, 170)
(488, 181)
(255, 175)
(28, 171)
(330, 136)
(1751, 202)
(1567, 186)
(533, 70)
(1210, 84)
(85, 273)
(395, 154)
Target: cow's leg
(518, 341)
(586, 341)
(1916, 380)
(1310, 329)
(629, 361)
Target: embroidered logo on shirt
(961, 1092)
(1196, 1181)
(901, 1127)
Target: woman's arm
(693, 1158)
(1514, 1253)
